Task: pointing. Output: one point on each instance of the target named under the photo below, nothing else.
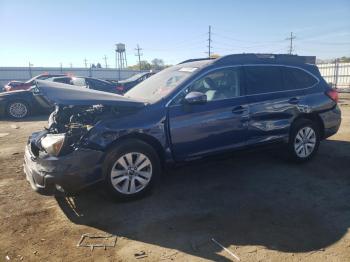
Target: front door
(218, 124)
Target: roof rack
(195, 59)
(276, 58)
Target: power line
(105, 58)
(138, 49)
(291, 38)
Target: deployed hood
(63, 94)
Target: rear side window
(263, 79)
(295, 78)
(65, 80)
(99, 85)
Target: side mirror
(195, 98)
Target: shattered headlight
(53, 143)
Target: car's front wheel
(304, 140)
(17, 109)
(131, 169)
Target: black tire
(297, 127)
(11, 114)
(119, 151)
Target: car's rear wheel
(131, 169)
(304, 140)
(17, 109)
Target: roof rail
(277, 58)
(195, 59)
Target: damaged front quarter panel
(91, 122)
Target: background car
(125, 85)
(18, 85)
(22, 103)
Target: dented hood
(63, 94)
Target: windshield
(160, 84)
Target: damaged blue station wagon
(194, 109)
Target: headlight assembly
(53, 143)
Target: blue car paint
(187, 132)
(183, 132)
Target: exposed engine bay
(74, 122)
(73, 118)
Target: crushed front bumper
(71, 172)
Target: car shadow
(247, 198)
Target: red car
(18, 85)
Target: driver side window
(217, 85)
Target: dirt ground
(256, 204)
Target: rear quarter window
(263, 79)
(295, 78)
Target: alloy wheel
(18, 110)
(131, 173)
(305, 142)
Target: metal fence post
(336, 69)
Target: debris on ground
(141, 254)
(227, 250)
(106, 240)
(169, 256)
(7, 258)
(14, 126)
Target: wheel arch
(150, 140)
(315, 118)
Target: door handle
(294, 100)
(238, 110)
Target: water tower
(120, 56)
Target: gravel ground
(258, 205)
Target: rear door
(274, 100)
(216, 125)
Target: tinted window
(295, 78)
(64, 80)
(221, 84)
(263, 79)
(100, 85)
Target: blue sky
(48, 33)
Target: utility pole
(291, 38)
(209, 42)
(30, 70)
(85, 62)
(61, 67)
(138, 49)
(105, 58)
(71, 65)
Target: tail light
(333, 94)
